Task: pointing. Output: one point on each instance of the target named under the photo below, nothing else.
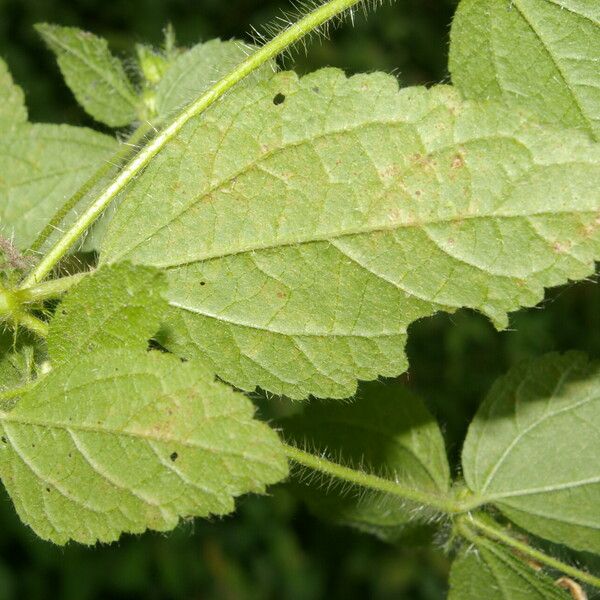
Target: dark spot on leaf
(203, 283)
(174, 456)
(47, 489)
(316, 90)
(4, 440)
(63, 312)
(278, 99)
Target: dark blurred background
(272, 547)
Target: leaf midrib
(556, 63)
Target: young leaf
(194, 71)
(532, 449)
(490, 571)
(94, 75)
(538, 54)
(306, 223)
(130, 441)
(387, 431)
(18, 353)
(42, 166)
(12, 102)
(117, 307)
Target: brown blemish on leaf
(458, 162)
(561, 247)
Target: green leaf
(386, 431)
(541, 55)
(532, 449)
(116, 307)
(490, 571)
(12, 102)
(18, 354)
(305, 224)
(42, 166)
(94, 75)
(196, 70)
(131, 441)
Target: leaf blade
(12, 101)
(560, 37)
(531, 450)
(42, 166)
(116, 307)
(492, 572)
(318, 240)
(180, 444)
(94, 75)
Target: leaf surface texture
(304, 224)
(131, 441)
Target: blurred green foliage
(272, 548)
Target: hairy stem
(469, 523)
(32, 323)
(124, 152)
(365, 480)
(276, 46)
(50, 289)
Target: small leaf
(194, 71)
(131, 441)
(19, 353)
(537, 54)
(116, 307)
(305, 224)
(94, 75)
(386, 431)
(532, 449)
(42, 166)
(12, 102)
(490, 571)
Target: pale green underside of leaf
(41, 166)
(489, 571)
(189, 76)
(533, 448)
(12, 101)
(94, 75)
(386, 431)
(17, 361)
(195, 71)
(131, 441)
(542, 55)
(302, 238)
(120, 306)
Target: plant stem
(498, 534)
(366, 480)
(50, 289)
(32, 323)
(125, 151)
(278, 44)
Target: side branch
(439, 503)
